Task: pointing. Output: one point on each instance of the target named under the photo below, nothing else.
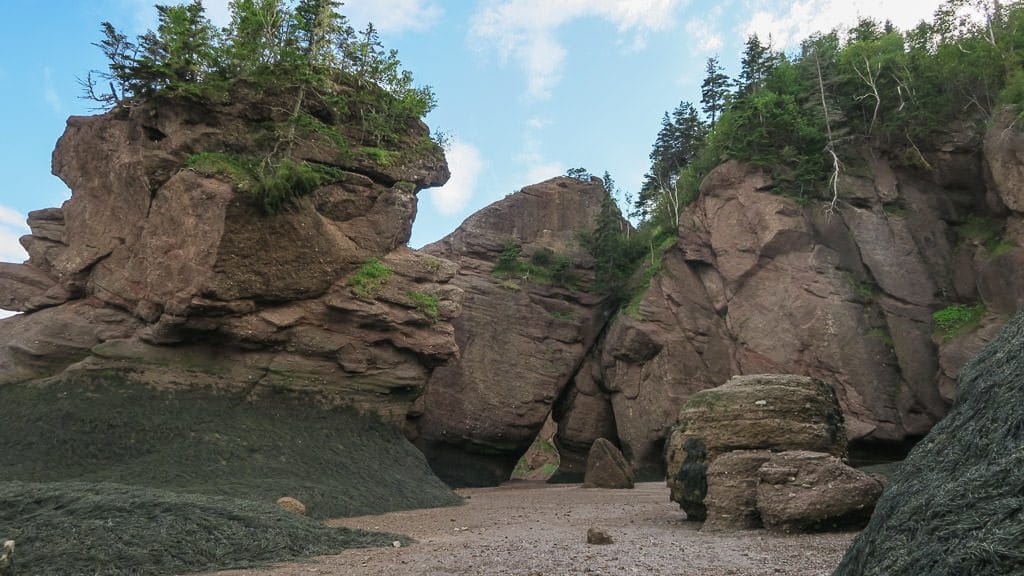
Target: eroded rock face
(757, 283)
(181, 279)
(520, 340)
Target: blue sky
(526, 88)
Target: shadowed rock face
(955, 505)
(520, 340)
(180, 279)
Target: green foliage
(425, 304)
(544, 266)
(277, 185)
(985, 232)
(382, 157)
(273, 43)
(870, 86)
(370, 279)
(273, 186)
(615, 256)
(309, 125)
(508, 261)
(238, 169)
(958, 319)
(658, 241)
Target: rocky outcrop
(759, 282)
(954, 506)
(751, 415)
(810, 491)
(607, 467)
(522, 334)
(177, 276)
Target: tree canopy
(803, 116)
(271, 42)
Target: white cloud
(466, 164)
(394, 15)
(544, 171)
(12, 227)
(789, 23)
(707, 38)
(524, 31)
(218, 11)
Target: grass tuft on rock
(82, 529)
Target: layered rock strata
(179, 277)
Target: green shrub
(370, 279)
(542, 256)
(273, 185)
(426, 304)
(508, 261)
(953, 321)
(381, 156)
(236, 168)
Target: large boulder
(522, 334)
(803, 491)
(755, 412)
(955, 506)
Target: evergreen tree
(256, 36)
(180, 54)
(757, 64)
(714, 91)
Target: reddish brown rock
(181, 280)
(520, 340)
(1004, 155)
(810, 491)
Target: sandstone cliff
(757, 282)
(763, 283)
(178, 277)
(522, 334)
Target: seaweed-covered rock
(956, 506)
(810, 491)
(757, 412)
(607, 467)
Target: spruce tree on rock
(714, 91)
